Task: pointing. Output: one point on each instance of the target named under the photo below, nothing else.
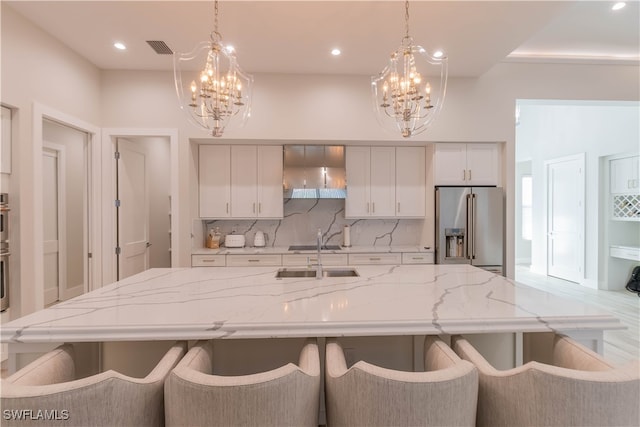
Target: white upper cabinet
(410, 182)
(625, 175)
(467, 164)
(214, 173)
(244, 179)
(240, 181)
(358, 170)
(385, 182)
(269, 185)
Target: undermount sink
(285, 273)
(345, 272)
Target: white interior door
(133, 212)
(565, 218)
(53, 233)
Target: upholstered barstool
(45, 392)
(286, 396)
(369, 395)
(578, 388)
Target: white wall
(37, 68)
(337, 108)
(551, 130)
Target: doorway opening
(66, 219)
(143, 204)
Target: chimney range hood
(314, 172)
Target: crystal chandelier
(219, 97)
(404, 97)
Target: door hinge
(89, 255)
(117, 203)
(118, 250)
(116, 155)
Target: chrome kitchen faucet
(319, 266)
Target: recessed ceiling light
(619, 5)
(119, 46)
(335, 52)
(438, 54)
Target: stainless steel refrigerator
(470, 227)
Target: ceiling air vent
(160, 47)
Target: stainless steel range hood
(314, 172)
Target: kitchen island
(233, 302)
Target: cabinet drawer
(417, 258)
(625, 252)
(208, 261)
(375, 258)
(303, 259)
(253, 260)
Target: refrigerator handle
(473, 226)
(468, 237)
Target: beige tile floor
(620, 346)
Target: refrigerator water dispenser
(454, 238)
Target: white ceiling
(297, 36)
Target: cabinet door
(410, 182)
(375, 258)
(270, 197)
(244, 178)
(624, 175)
(383, 181)
(450, 164)
(483, 164)
(358, 165)
(253, 260)
(214, 175)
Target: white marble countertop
(236, 302)
(281, 250)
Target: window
(527, 207)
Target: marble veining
(303, 217)
(235, 302)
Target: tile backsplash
(303, 217)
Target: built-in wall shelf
(625, 252)
(626, 207)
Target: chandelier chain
(406, 18)
(215, 17)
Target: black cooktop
(314, 247)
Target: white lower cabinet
(208, 261)
(254, 260)
(304, 259)
(418, 258)
(375, 258)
